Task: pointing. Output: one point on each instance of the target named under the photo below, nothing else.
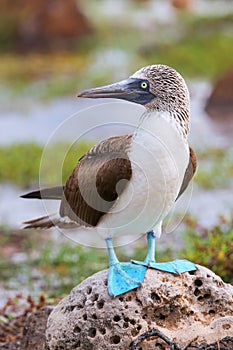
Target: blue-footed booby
(127, 184)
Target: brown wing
(190, 171)
(95, 183)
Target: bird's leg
(176, 266)
(123, 276)
(150, 257)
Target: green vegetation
(20, 163)
(202, 49)
(195, 56)
(43, 75)
(212, 248)
(215, 168)
(52, 264)
(69, 264)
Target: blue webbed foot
(124, 277)
(176, 266)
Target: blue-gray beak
(129, 90)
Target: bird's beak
(128, 90)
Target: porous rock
(195, 306)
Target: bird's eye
(144, 85)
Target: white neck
(151, 118)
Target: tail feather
(46, 193)
(43, 222)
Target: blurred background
(50, 50)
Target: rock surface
(33, 337)
(192, 307)
(25, 332)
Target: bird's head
(157, 87)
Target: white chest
(159, 157)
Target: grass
(47, 264)
(196, 56)
(215, 168)
(20, 163)
(42, 75)
(212, 248)
(66, 265)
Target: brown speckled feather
(190, 171)
(94, 184)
